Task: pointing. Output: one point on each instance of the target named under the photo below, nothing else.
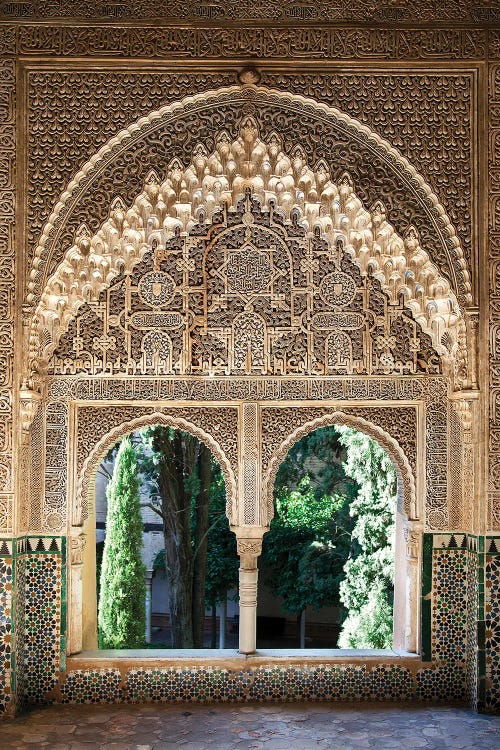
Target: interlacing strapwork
(247, 262)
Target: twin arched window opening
(335, 550)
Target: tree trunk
(213, 641)
(222, 622)
(302, 643)
(176, 513)
(186, 557)
(301, 628)
(201, 544)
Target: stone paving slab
(336, 726)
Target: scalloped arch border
(69, 197)
(407, 496)
(93, 459)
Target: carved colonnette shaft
(462, 461)
(75, 597)
(249, 549)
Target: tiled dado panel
(449, 616)
(6, 605)
(205, 684)
(213, 684)
(449, 586)
(450, 569)
(40, 616)
(472, 665)
(489, 594)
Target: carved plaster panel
(494, 299)
(324, 136)
(287, 280)
(251, 42)
(99, 427)
(442, 154)
(461, 462)
(278, 11)
(7, 277)
(372, 99)
(249, 294)
(56, 467)
(53, 108)
(431, 389)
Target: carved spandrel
(99, 429)
(272, 298)
(421, 210)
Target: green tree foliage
(305, 549)
(222, 557)
(368, 588)
(309, 539)
(122, 618)
(319, 456)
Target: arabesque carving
(278, 11)
(373, 158)
(398, 421)
(494, 300)
(297, 277)
(7, 287)
(373, 99)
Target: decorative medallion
(156, 288)
(337, 289)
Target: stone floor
(348, 726)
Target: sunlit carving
(315, 281)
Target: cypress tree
(122, 610)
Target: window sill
(178, 657)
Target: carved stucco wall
(373, 99)
(375, 175)
(275, 10)
(7, 288)
(382, 112)
(384, 403)
(493, 520)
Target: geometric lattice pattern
(40, 570)
(492, 628)
(471, 676)
(92, 686)
(453, 575)
(44, 603)
(207, 685)
(321, 682)
(449, 587)
(442, 683)
(6, 583)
